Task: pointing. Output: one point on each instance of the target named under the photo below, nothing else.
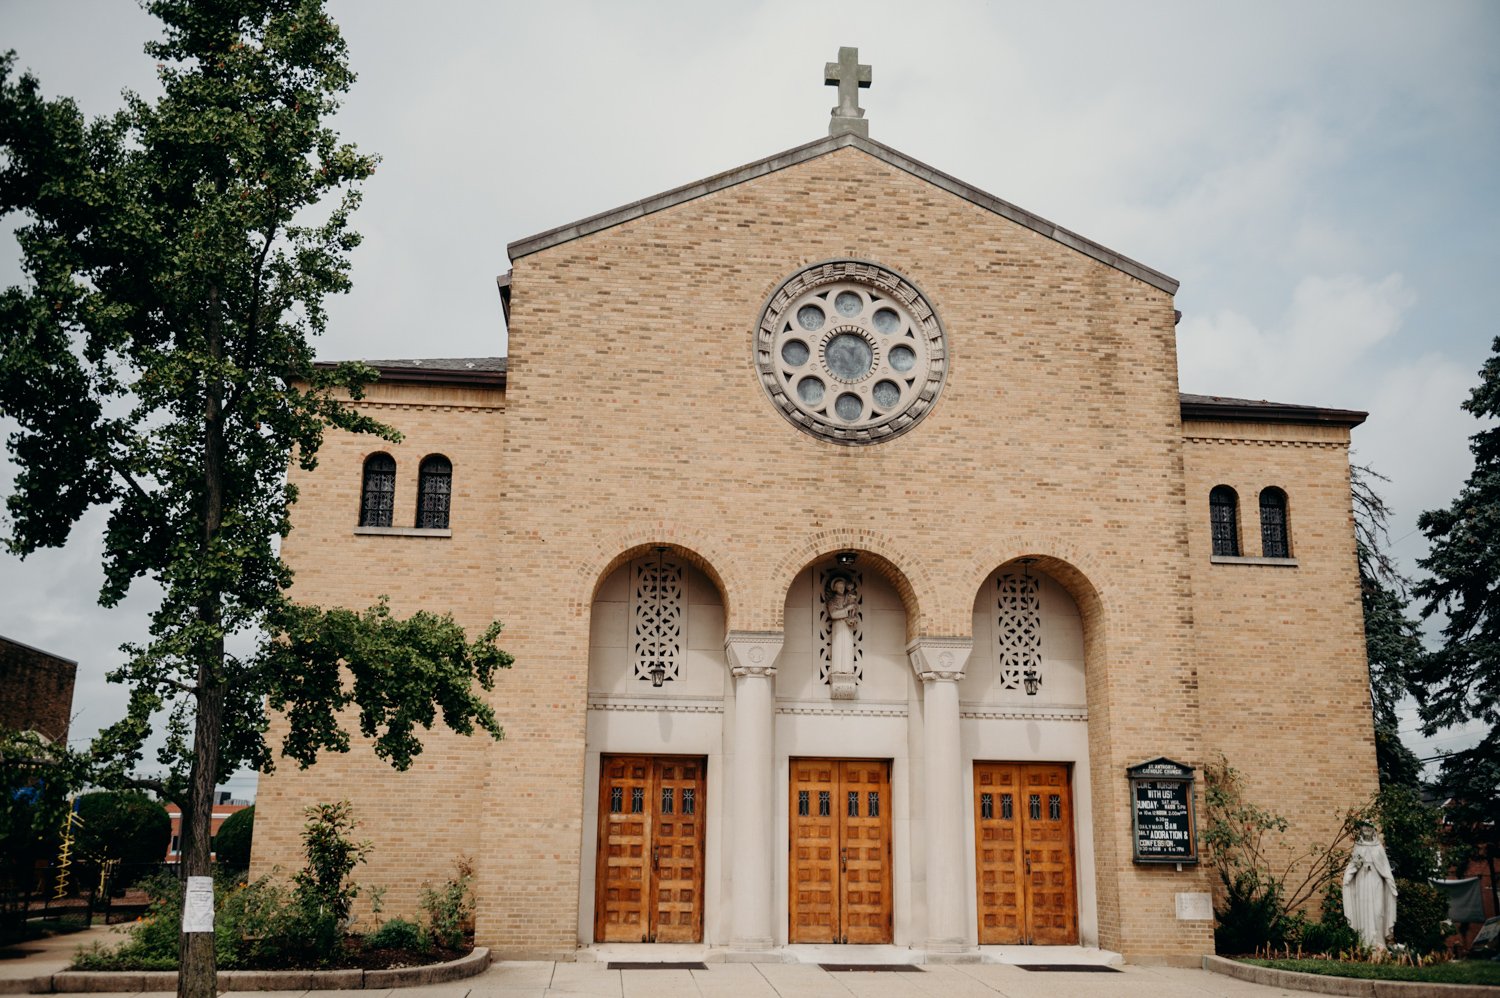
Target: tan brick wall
(1281, 653)
(634, 418)
(424, 819)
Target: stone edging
(1353, 987)
(82, 981)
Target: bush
(1332, 933)
(1249, 918)
(1421, 910)
(232, 844)
(399, 933)
(450, 908)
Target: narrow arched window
(378, 498)
(434, 489)
(1275, 538)
(1224, 520)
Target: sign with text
(1162, 815)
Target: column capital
(939, 659)
(753, 653)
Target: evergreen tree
(157, 362)
(1460, 681)
(1392, 642)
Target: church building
(869, 580)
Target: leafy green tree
(157, 362)
(1393, 645)
(125, 826)
(232, 844)
(37, 779)
(1460, 680)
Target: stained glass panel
(378, 498)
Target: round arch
(692, 546)
(906, 574)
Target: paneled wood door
(840, 869)
(649, 881)
(1023, 843)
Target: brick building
(853, 539)
(36, 690)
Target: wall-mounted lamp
(658, 673)
(846, 557)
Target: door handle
(843, 860)
(655, 856)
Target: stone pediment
(823, 147)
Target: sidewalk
(545, 979)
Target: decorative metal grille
(825, 625)
(378, 498)
(1223, 520)
(637, 800)
(656, 618)
(1273, 533)
(689, 800)
(434, 493)
(854, 803)
(616, 799)
(873, 805)
(666, 800)
(1007, 807)
(986, 805)
(1054, 807)
(1034, 805)
(802, 803)
(1019, 634)
(824, 803)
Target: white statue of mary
(1369, 890)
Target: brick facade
(36, 690)
(631, 417)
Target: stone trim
(1255, 442)
(978, 712)
(753, 653)
(403, 532)
(822, 147)
(844, 708)
(939, 659)
(672, 705)
(1230, 559)
(369, 403)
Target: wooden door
(840, 869)
(649, 880)
(1023, 842)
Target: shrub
(1420, 911)
(450, 908)
(399, 933)
(323, 895)
(232, 844)
(1331, 934)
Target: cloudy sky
(1322, 177)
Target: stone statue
(841, 600)
(1369, 890)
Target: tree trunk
(197, 975)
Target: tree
(37, 779)
(232, 845)
(125, 826)
(1393, 644)
(157, 362)
(1460, 680)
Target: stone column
(939, 664)
(752, 661)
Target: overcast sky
(1322, 177)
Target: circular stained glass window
(862, 329)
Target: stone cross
(848, 75)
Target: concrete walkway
(594, 979)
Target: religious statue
(841, 600)
(1369, 890)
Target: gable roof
(822, 147)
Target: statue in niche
(1369, 890)
(841, 601)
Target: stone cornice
(753, 653)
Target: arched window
(1275, 537)
(434, 487)
(1224, 520)
(378, 497)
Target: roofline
(502, 282)
(821, 147)
(40, 651)
(1238, 411)
(427, 375)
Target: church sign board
(1161, 799)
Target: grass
(1450, 972)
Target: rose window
(850, 352)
